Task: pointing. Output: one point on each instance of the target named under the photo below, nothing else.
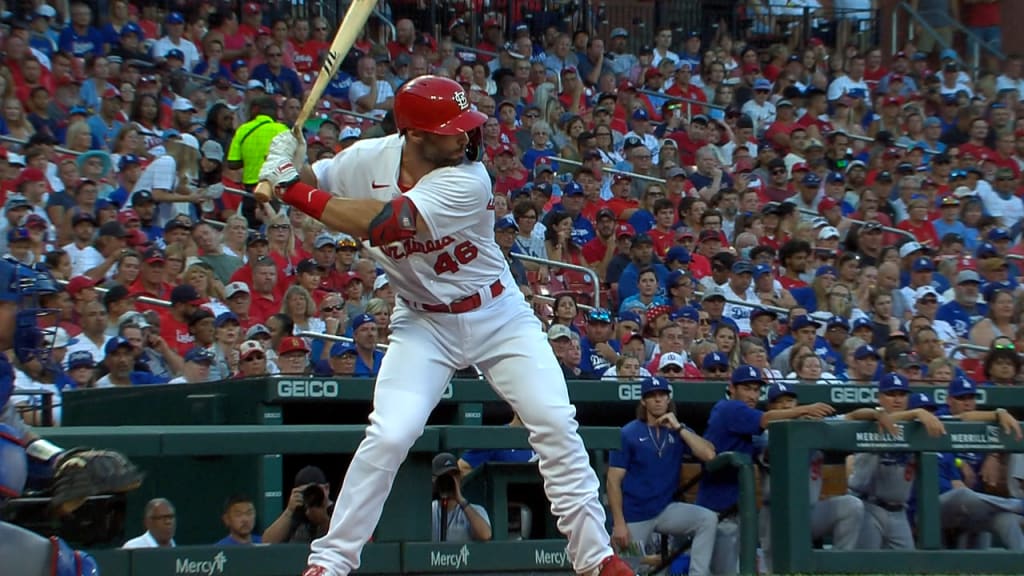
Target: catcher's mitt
(84, 472)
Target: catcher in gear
(70, 477)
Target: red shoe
(615, 566)
(315, 571)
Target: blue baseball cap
(685, 313)
(961, 386)
(506, 223)
(862, 322)
(811, 179)
(759, 311)
(836, 320)
(199, 356)
(640, 114)
(826, 271)
(742, 267)
(342, 348)
(81, 359)
(802, 321)
(762, 269)
(15, 234)
(778, 390)
(986, 250)
(572, 189)
(948, 54)
(114, 343)
(238, 64)
(654, 384)
(997, 234)
(174, 53)
(747, 374)
(762, 84)
(866, 351)
(360, 320)
(132, 28)
(921, 400)
(599, 315)
(678, 254)
(836, 178)
(923, 265)
(225, 317)
(893, 382)
(630, 316)
(175, 18)
(127, 160)
(674, 277)
(715, 360)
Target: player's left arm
(885, 422)
(1000, 416)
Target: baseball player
(885, 480)
(644, 474)
(732, 426)
(26, 460)
(840, 516)
(964, 511)
(423, 202)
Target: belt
(888, 506)
(463, 305)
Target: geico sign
(308, 389)
(869, 395)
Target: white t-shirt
(843, 85)
(23, 381)
(144, 541)
(762, 114)
(162, 174)
(83, 259)
(458, 257)
(384, 91)
(164, 45)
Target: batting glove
(279, 172)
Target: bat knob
(263, 192)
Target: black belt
(889, 506)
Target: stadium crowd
(826, 214)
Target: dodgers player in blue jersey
(472, 458)
(884, 481)
(839, 517)
(734, 424)
(644, 475)
(965, 512)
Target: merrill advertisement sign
(991, 439)
(875, 439)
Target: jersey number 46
(460, 255)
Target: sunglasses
(1004, 346)
(718, 370)
(778, 171)
(331, 308)
(280, 226)
(672, 369)
(255, 357)
(705, 321)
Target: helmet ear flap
(475, 147)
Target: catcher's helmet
(435, 104)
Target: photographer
(308, 513)
(461, 520)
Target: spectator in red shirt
(621, 203)
(185, 301)
(509, 173)
(683, 88)
(975, 145)
(918, 224)
(785, 121)
(266, 295)
(405, 39)
(793, 257)
(663, 235)
(574, 94)
(151, 281)
(238, 298)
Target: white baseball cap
(183, 105)
(925, 291)
(909, 248)
(828, 232)
(380, 282)
(248, 348)
(133, 317)
(671, 359)
(235, 288)
(58, 338)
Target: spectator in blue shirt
(79, 38)
(368, 358)
(641, 252)
(119, 358)
(964, 310)
(273, 74)
(240, 520)
(599, 349)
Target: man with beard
(599, 351)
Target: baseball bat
(355, 18)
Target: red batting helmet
(435, 104)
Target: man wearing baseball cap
(119, 360)
(839, 517)
(293, 356)
(198, 362)
(885, 481)
(965, 308)
(364, 335)
(732, 426)
(252, 360)
(644, 474)
(174, 327)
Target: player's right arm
(613, 485)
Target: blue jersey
(961, 318)
(592, 361)
(511, 456)
(82, 45)
(732, 427)
(652, 459)
(631, 275)
(339, 85)
(363, 370)
(229, 541)
(146, 379)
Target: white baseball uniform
(501, 336)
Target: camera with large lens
(444, 485)
(312, 497)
